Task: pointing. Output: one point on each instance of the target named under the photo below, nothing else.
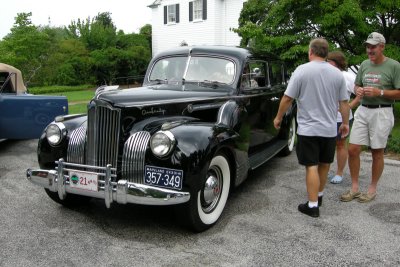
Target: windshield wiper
(212, 84)
(160, 81)
(206, 83)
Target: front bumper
(121, 191)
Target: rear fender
(285, 126)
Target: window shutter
(165, 15)
(204, 9)
(190, 11)
(177, 13)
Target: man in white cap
(378, 83)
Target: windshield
(199, 69)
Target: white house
(194, 22)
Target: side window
(5, 83)
(277, 73)
(254, 75)
(171, 14)
(198, 10)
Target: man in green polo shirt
(378, 83)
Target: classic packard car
(202, 119)
(23, 115)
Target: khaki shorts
(371, 127)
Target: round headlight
(55, 133)
(162, 143)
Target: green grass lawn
(77, 96)
(77, 100)
(77, 108)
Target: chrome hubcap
(212, 190)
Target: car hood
(160, 94)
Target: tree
(27, 47)
(98, 33)
(70, 64)
(283, 29)
(85, 52)
(146, 30)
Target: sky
(127, 15)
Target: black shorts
(312, 150)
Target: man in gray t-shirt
(319, 89)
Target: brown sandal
(366, 197)
(349, 196)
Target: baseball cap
(375, 38)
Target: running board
(261, 157)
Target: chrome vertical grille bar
(133, 157)
(103, 134)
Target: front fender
(229, 115)
(196, 144)
(48, 154)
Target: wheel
(206, 206)
(291, 137)
(71, 200)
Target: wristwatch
(382, 92)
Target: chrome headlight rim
(162, 143)
(55, 133)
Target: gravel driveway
(260, 226)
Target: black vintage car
(201, 121)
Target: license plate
(163, 177)
(83, 180)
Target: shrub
(393, 144)
(58, 89)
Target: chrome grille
(102, 135)
(133, 157)
(76, 146)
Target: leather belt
(377, 106)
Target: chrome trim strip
(133, 156)
(76, 145)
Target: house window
(171, 14)
(198, 10)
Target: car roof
(229, 51)
(20, 86)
